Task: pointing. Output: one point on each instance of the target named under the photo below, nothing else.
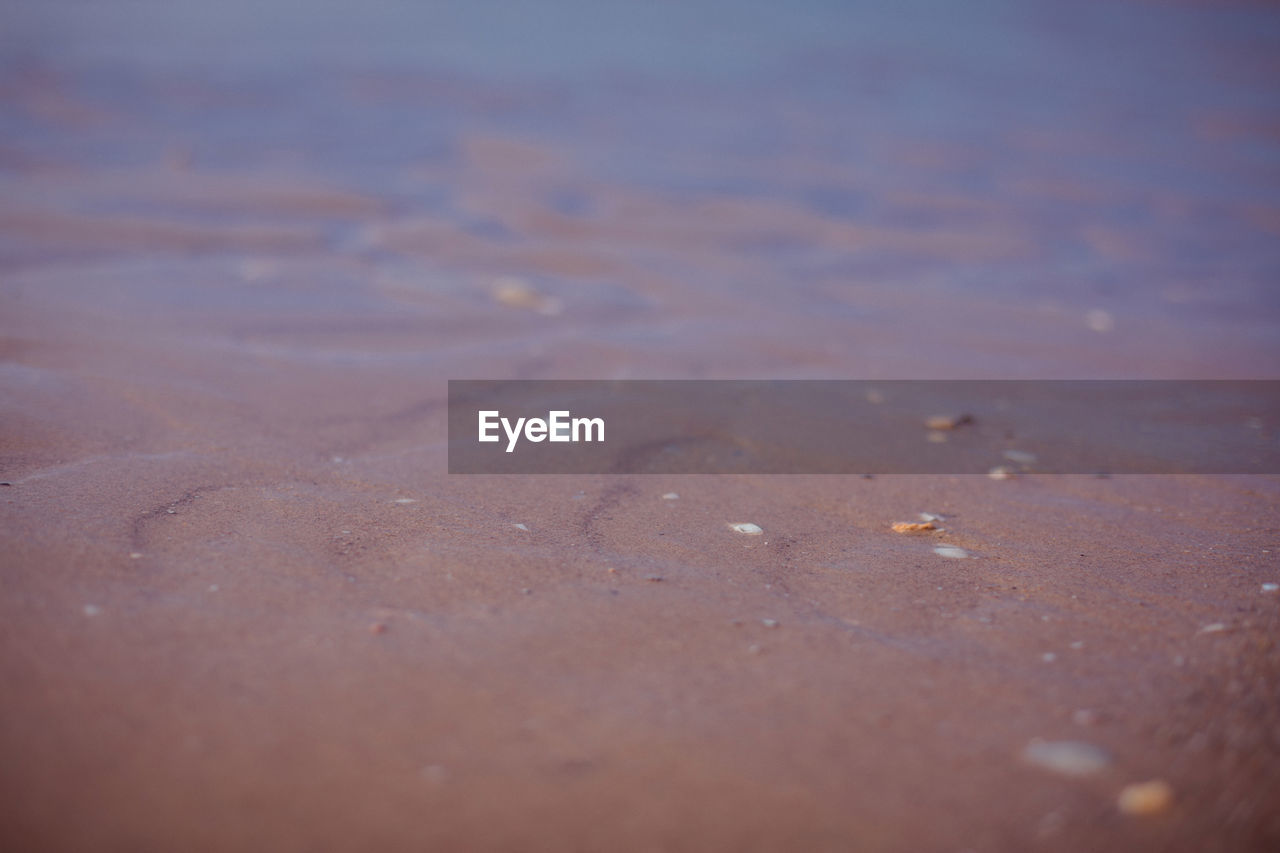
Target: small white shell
(746, 527)
(1067, 757)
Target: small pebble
(92, 610)
(654, 578)
(406, 500)
(1048, 657)
(913, 527)
(947, 422)
(951, 552)
(1145, 798)
(746, 527)
(377, 628)
(137, 555)
(521, 526)
(1270, 587)
(1000, 472)
(518, 293)
(931, 516)
(1078, 644)
(1213, 628)
(1086, 717)
(769, 623)
(671, 496)
(1067, 757)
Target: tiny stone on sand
(1000, 472)
(951, 552)
(1145, 798)
(769, 623)
(746, 527)
(1270, 587)
(1066, 757)
(913, 526)
(517, 293)
(521, 526)
(1085, 717)
(92, 610)
(947, 422)
(671, 496)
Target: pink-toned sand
(244, 607)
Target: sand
(245, 607)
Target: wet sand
(245, 607)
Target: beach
(245, 605)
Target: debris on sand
(945, 423)
(1066, 757)
(951, 552)
(521, 526)
(1086, 717)
(1214, 628)
(405, 500)
(378, 628)
(92, 610)
(1145, 798)
(1002, 472)
(1270, 587)
(746, 527)
(517, 293)
(769, 623)
(913, 526)
(654, 578)
(671, 496)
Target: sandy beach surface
(244, 607)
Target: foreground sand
(244, 606)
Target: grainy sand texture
(243, 247)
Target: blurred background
(1030, 189)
